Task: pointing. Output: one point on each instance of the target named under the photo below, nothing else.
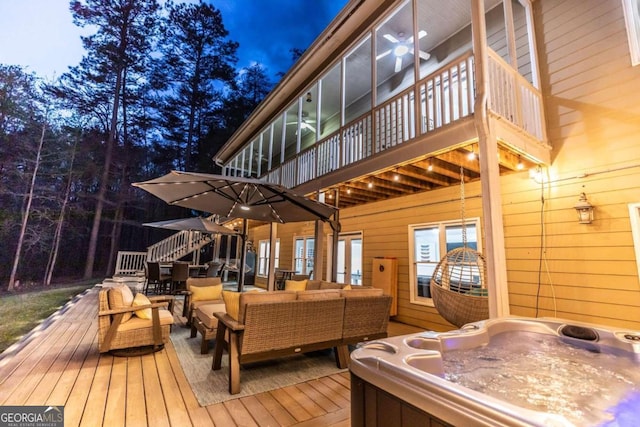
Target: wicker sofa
(122, 330)
(269, 325)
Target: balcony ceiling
(416, 176)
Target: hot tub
(501, 372)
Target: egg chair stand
(458, 284)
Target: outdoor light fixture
(472, 155)
(430, 167)
(396, 177)
(370, 184)
(400, 50)
(536, 174)
(520, 165)
(584, 210)
(309, 99)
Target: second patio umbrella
(193, 224)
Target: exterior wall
(591, 96)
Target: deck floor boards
(59, 364)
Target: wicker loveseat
(126, 329)
(269, 325)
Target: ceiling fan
(402, 47)
(305, 124)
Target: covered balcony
(395, 112)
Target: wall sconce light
(430, 166)
(520, 165)
(309, 99)
(584, 210)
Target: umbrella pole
(243, 254)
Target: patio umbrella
(235, 197)
(192, 224)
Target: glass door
(349, 259)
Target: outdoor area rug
(213, 386)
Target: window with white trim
(263, 256)
(428, 243)
(304, 250)
(632, 19)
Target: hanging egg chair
(458, 287)
(458, 284)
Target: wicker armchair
(124, 334)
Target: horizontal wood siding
(556, 266)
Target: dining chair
(215, 269)
(179, 276)
(155, 278)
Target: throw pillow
(232, 303)
(121, 297)
(139, 300)
(295, 285)
(206, 293)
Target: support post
(489, 173)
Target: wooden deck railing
(441, 98)
(172, 248)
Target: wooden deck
(58, 364)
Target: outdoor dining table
(195, 270)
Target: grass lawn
(20, 313)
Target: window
(357, 81)
(632, 18)
(304, 248)
(428, 243)
(263, 257)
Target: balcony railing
(442, 98)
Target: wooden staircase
(172, 248)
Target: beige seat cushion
(313, 285)
(319, 294)
(330, 285)
(354, 292)
(204, 313)
(121, 297)
(166, 318)
(197, 304)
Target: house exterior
(530, 104)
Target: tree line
(157, 89)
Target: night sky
(40, 36)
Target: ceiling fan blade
(383, 54)
(398, 64)
(306, 125)
(391, 38)
(424, 55)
